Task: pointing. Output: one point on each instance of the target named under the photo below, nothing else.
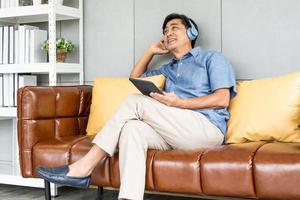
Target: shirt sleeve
(161, 70)
(221, 74)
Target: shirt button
(178, 75)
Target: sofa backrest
(50, 112)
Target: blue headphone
(192, 31)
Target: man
(190, 114)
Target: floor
(9, 192)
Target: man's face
(175, 35)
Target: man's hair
(185, 22)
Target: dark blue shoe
(55, 170)
(58, 175)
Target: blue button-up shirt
(199, 73)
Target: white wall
(260, 37)
(108, 37)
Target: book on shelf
(22, 42)
(16, 42)
(1, 90)
(3, 4)
(5, 44)
(27, 80)
(37, 37)
(8, 90)
(15, 88)
(26, 46)
(11, 44)
(9, 3)
(1, 44)
(10, 83)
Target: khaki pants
(141, 123)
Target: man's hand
(169, 99)
(158, 48)
(216, 100)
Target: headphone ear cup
(192, 31)
(191, 34)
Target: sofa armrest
(46, 113)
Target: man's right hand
(158, 48)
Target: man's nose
(170, 33)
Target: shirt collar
(194, 52)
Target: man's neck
(179, 53)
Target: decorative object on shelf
(60, 56)
(36, 2)
(63, 47)
(25, 2)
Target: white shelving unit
(50, 13)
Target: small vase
(60, 57)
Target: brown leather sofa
(51, 132)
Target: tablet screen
(145, 87)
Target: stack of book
(22, 44)
(9, 3)
(9, 84)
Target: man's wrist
(182, 103)
(149, 52)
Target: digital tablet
(145, 87)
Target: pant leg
(136, 137)
(180, 128)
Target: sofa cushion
(266, 109)
(277, 171)
(54, 152)
(115, 172)
(108, 94)
(227, 170)
(177, 171)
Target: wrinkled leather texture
(51, 132)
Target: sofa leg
(47, 190)
(100, 192)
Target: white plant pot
(36, 2)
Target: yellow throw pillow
(266, 109)
(108, 94)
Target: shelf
(10, 174)
(38, 13)
(18, 180)
(41, 68)
(8, 112)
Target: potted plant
(63, 47)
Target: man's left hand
(169, 99)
